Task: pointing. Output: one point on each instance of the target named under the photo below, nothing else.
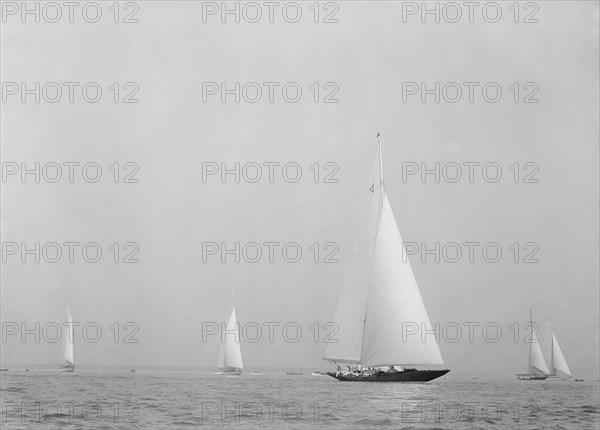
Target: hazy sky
(170, 212)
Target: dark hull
(406, 376)
(531, 377)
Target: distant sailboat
(379, 295)
(68, 364)
(536, 368)
(291, 371)
(230, 354)
(559, 368)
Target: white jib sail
(559, 364)
(69, 340)
(537, 364)
(395, 306)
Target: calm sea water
(145, 400)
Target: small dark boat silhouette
(407, 375)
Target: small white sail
(537, 363)
(558, 362)
(394, 302)
(233, 353)
(69, 340)
(230, 354)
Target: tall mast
(531, 344)
(382, 193)
(380, 165)
(70, 325)
(552, 370)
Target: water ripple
(113, 400)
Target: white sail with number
(350, 313)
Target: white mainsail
(537, 364)
(377, 303)
(230, 354)
(350, 312)
(557, 359)
(68, 342)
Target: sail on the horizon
(537, 364)
(230, 353)
(558, 362)
(68, 354)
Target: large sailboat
(559, 369)
(230, 354)
(68, 364)
(379, 297)
(536, 368)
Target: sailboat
(379, 295)
(559, 369)
(230, 354)
(291, 371)
(536, 368)
(68, 364)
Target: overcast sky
(170, 212)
